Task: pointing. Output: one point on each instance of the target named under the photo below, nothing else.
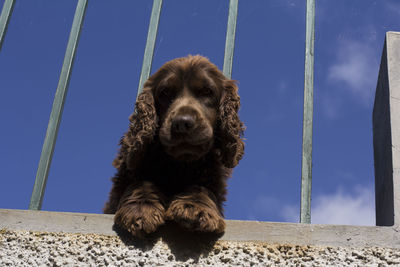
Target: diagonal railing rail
(230, 38)
(150, 44)
(57, 109)
(5, 18)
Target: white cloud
(345, 208)
(330, 104)
(356, 208)
(291, 213)
(356, 69)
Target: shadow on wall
(183, 244)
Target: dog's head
(191, 108)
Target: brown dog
(184, 138)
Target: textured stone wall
(30, 248)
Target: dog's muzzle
(186, 136)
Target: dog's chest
(174, 177)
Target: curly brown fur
(141, 209)
(195, 209)
(184, 138)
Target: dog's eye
(206, 91)
(166, 94)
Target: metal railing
(62, 88)
(306, 159)
(5, 18)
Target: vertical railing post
(5, 18)
(306, 168)
(150, 44)
(57, 109)
(230, 38)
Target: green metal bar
(306, 168)
(150, 43)
(5, 18)
(57, 109)
(230, 38)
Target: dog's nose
(182, 124)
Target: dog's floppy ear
(142, 128)
(230, 130)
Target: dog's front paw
(140, 219)
(195, 216)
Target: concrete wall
(19, 248)
(58, 239)
(37, 238)
(386, 133)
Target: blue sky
(268, 63)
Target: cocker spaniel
(184, 138)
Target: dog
(184, 138)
